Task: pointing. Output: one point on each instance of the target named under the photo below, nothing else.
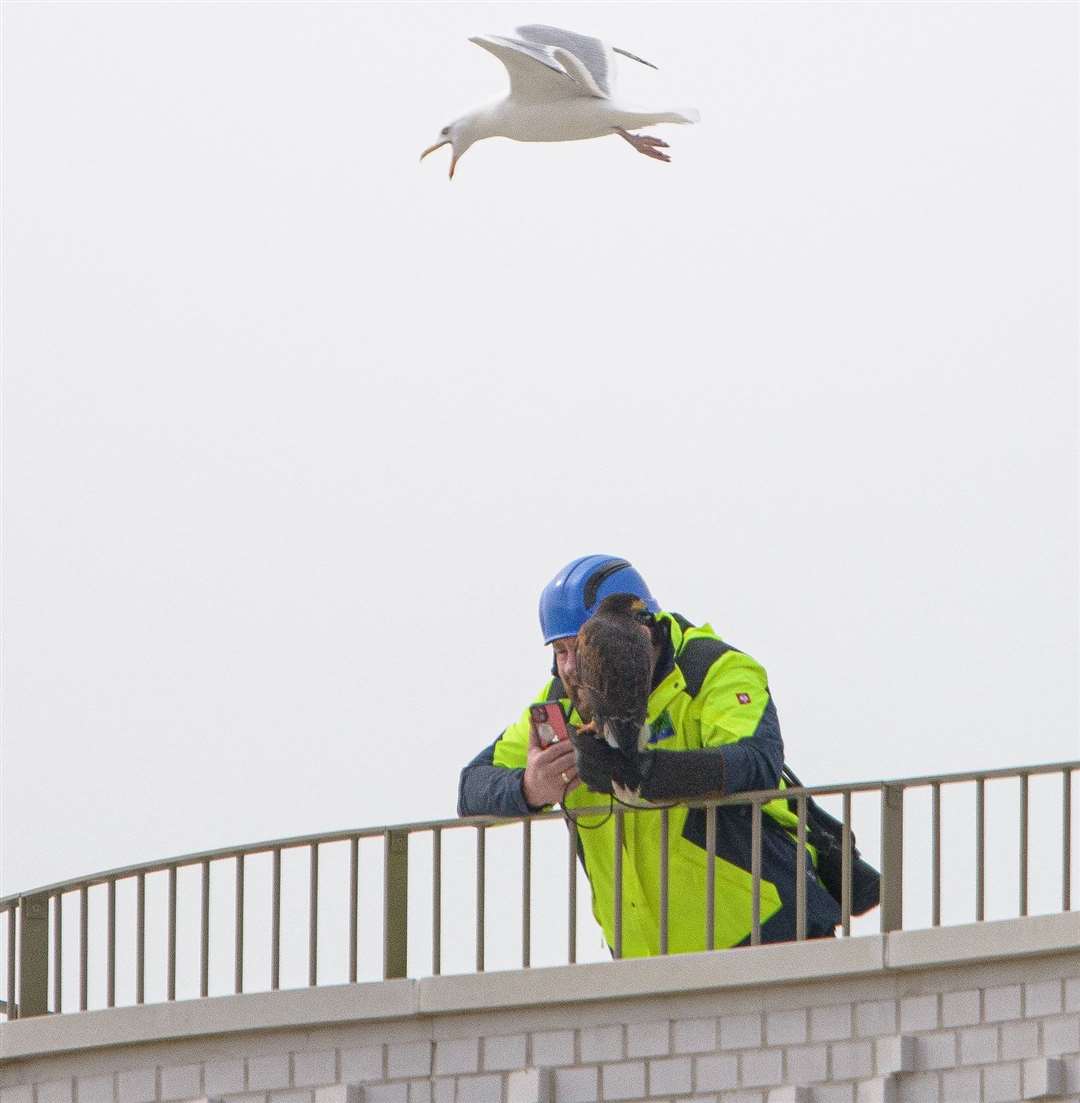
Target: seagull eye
(445, 130)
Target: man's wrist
(525, 798)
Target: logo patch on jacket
(662, 729)
(743, 698)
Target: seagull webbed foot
(645, 143)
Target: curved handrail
(345, 835)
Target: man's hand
(550, 772)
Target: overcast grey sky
(295, 430)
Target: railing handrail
(296, 841)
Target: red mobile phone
(550, 722)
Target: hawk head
(614, 671)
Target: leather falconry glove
(598, 765)
(652, 775)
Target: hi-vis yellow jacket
(733, 712)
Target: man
(712, 731)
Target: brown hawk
(614, 673)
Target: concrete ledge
(392, 999)
(987, 941)
(642, 978)
(657, 976)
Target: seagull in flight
(560, 91)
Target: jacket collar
(668, 680)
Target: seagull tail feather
(689, 115)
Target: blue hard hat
(572, 596)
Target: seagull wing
(577, 69)
(535, 75)
(593, 54)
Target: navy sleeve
(755, 763)
(489, 790)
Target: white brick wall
(222, 1076)
(270, 1071)
(603, 1043)
(505, 1053)
(58, 1091)
(182, 1082)
(365, 1063)
(740, 1031)
(976, 1033)
(311, 1068)
(694, 1035)
(96, 1089)
(552, 1048)
(648, 1039)
(135, 1086)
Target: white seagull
(560, 91)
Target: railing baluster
(665, 828)
(238, 917)
(33, 992)
(935, 855)
(58, 959)
(1023, 844)
(110, 944)
(313, 916)
(845, 868)
(395, 904)
(980, 850)
(436, 901)
(1066, 840)
(12, 1010)
(526, 893)
(618, 871)
(800, 873)
(710, 877)
(571, 892)
(481, 878)
(892, 858)
(755, 873)
(140, 939)
(275, 922)
(354, 889)
(204, 939)
(84, 944)
(170, 980)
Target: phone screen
(550, 722)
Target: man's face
(566, 660)
(566, 665)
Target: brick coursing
(934, 1037)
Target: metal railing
(38, 973)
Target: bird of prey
(561, 86)
(614, 672)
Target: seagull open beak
(437, 145)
